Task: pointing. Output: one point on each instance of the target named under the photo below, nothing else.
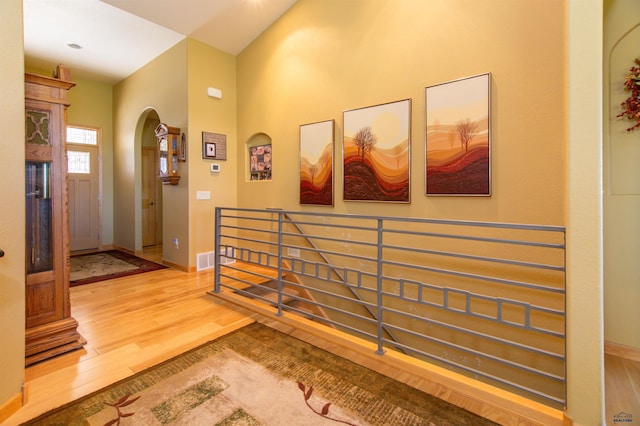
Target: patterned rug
(94, 267)
(259, 376)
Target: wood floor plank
(132, 323)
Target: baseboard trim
(12, 405)
(175, 266)
(622, 351)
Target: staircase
(260, 283)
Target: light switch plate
(203, 195)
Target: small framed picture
(208, 150)
(214, 146)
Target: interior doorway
(151, 190)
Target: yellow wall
(210, 67)
(160, 85)
(585, 392)
(324, 57)
(91, 105)
(12, 309)
(621, 178)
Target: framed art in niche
(260, 162)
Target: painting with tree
(376, 145)
(458, 137)
(316, 163)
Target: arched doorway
(149, 200)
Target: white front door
(84, 196)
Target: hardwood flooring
(134, 322)
(622, 389)
(130, 324)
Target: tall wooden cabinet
(50, 329)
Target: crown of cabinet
(168, 154)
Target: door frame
(100, 171)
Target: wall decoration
(214, 146)
(631, 105)
(260, 162)
(316, 163)
(376, 152)
(183, 148)
(458, 137)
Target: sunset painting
(316, 163)
(376, 152)
(458, 137)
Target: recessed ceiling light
(74, 46)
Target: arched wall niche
(621, 178)
(624, 148)
(259, 158)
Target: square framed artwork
(208, 150)
(317, 142)
(376, 153)
(458, 137)
(214, 146)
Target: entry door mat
(105, 265)
(259, 376)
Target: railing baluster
(380, 350)
(476, 297)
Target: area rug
(94, 267)
(259, 376)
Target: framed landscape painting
(376, 158)
(458, 137)
(316, 163)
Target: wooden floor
(130, 324)
(622, 389)
(135, 322)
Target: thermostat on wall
(215, 167)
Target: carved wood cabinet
(169, 154)
(50, 329)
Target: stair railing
(481, 298)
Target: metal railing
(483, 299)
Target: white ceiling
(120, 36)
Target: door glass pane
(39, 247)
(82, 136)
(79, 162)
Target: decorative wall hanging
(316, 163)
(183, 148)
(631, 105)
(260, 162)
(214, 146)
(458, 137)
(376, 145)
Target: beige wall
(12, 310)
(324, 57)
(160, 85)
(585, 391)
(621, 179)
(91, 105)
(209, 67)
